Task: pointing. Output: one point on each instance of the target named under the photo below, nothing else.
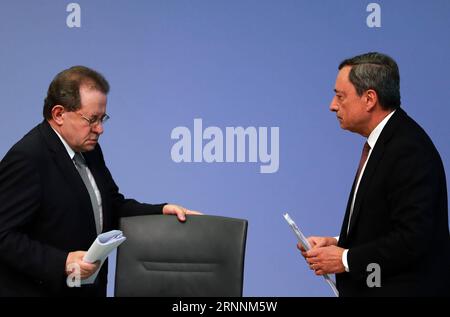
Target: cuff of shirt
(344, 260)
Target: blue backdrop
(246, 63)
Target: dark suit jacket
(400, 217)
(45, 213)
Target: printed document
(304, 242)
(100, 249)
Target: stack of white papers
(305, 244)
(100, 249)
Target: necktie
(81, 166)
(364, 155)
(362, 161)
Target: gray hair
(378, 72)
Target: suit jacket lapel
(374, 159)
(343, 234)
(69, 171)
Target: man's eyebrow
(337, 91)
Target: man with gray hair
(394, 239)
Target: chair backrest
(203, 256)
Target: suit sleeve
(20, 191)
(412, 193)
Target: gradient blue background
(231, 63)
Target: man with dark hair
(65, 88)
(394, 239)
(57, 195)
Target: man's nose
(333, 105)
(98, 128)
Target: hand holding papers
(305, 244)
(100, 249)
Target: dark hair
(64, 89)
(378, 72)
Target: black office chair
(163, 257)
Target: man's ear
(371, 99)
(57, 114)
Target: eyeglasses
(93, 122)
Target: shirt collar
(68, 148)
(375, 134)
